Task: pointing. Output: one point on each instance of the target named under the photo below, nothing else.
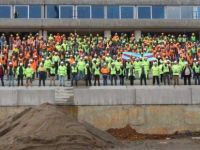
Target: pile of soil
(127, 133)
(47, 128)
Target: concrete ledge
(137, 95)
(163, 96)
(26, 96)
(35, 97)
(104, 96)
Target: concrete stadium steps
(64, 96)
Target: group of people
(92, 58)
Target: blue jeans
(197, 79)
(62, 80)
(11, 80)
(80, 75)
(105, 79)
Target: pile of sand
(47, 128)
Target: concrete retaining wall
(26, 96)
(152, 119)
(137, 95)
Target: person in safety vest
(52, 74)
(42, 74)
(88, 75)
(97, 75)
(121, 74)
(62, 72)
(176, 73)
(74, 73)
(105, 73)
(11, 74)
(29, 75)
(156, 73)
(196, 70)
(113, 74)
(20, 73)
(166, 69)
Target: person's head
(62, 63)
(21, 64)
(0, 64)
(29, 65)
(41, 64)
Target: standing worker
(156, 73)
(1, 74)
(62, 72)
(176, 73)
(166, 73)
(143, 73)
(88, 75)
(29, 75)
(21, 71)
(74, 73)
(97, 75)
(121, 74)
(131, 75)
(52, 74)
(113, 74)
(187, 73)
(105, 73)
(11, 74)
(42, 74)
(196, 70)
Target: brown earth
(46, 127)
(130, 134)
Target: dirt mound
(127, 133)
(47, 128)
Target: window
(66, 11)
(127, 12)
(113, 12)
(97, 12)
(158, 12)
(198, 13)
(52, 11)
(35, 11)
(144, 12)
(83, 12)
(187, 12)
(21, 11)
(173, 12)
(5, 11)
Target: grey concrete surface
(104, 96)
(166, 144)
(137, 95)
(127, 2)
(164, 95)
(103, 24)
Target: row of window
(100, 12)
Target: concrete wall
(103, 24)
(152, 119)
(127, 2)
(137, 95)
(26, 96)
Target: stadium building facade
(104, 16)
